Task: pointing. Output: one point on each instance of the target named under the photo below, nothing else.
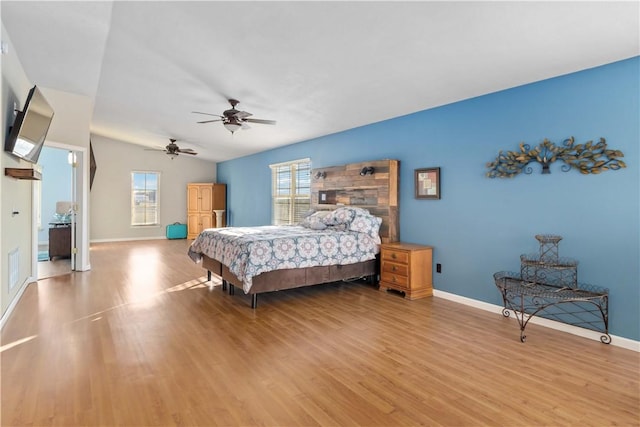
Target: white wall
(15, 230)
(72, 118)
(111, 193)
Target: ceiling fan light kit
(232, 125)
(173, 150)
(232, 119)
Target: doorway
(56, 219)
(80, 189)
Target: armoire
(203, 200)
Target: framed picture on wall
(427, 183)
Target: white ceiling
(315, 67)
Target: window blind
(291, 191)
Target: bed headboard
(353, 185)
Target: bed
(335, 242)
(327, 246)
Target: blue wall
(482, 225)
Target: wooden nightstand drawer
(395, 256)
(398, 269)
(395, 280)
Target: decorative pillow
(315, 221)
(357, 211)
(338, 227)
(342, 215)
(368, 224)
(317, 225)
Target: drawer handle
(393, 268)
(393, 255)
(394, 279)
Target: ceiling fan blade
(261, 121)
(186, 150)
(211, 121)
(206, 114)
(193, 153)
(242, 114)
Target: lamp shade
(232, 126)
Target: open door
(59, 232)
(73, 212)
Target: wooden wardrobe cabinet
(202, 200)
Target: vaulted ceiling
(314, 67)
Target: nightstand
(406, 267)
(59, 240)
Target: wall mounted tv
(30, 128)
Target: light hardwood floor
(55, 267)
(143, 340)
(52, 267)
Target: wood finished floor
(55, 267)
(52, 267)
(143, 340)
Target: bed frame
(338, 185)
(291, 278)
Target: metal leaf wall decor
(587, 158)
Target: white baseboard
(85, 267)
(127, 239)
(574, 330)
(14, 301)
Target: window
(145, 202)
(291, 191)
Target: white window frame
(145, 223)
(294, 197)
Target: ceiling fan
(233, 119)
(173, 150)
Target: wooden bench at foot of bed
(278, 280)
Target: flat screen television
(30, 128)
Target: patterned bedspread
(249, 251)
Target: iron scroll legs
(519, 312)
(590, 312)
(524, 314)
(603, 306)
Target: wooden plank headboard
(376, 192)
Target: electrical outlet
(438, 268)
